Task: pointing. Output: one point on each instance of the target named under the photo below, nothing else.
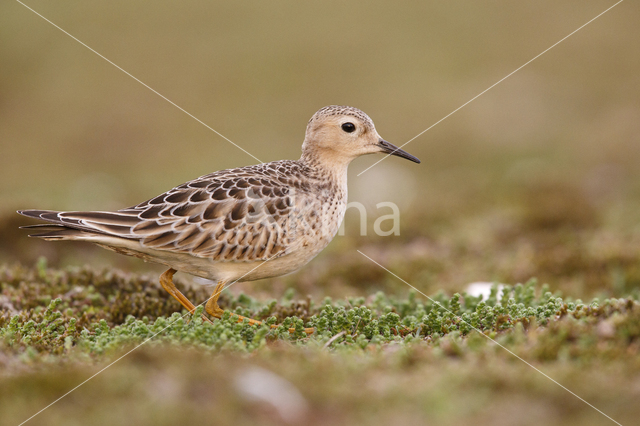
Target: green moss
(81, 316)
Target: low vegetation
(58, 325)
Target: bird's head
(341, 133)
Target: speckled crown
(342, 110)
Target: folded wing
(232, 219)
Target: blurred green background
(537, 177)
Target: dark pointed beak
(390, 148)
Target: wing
(230, 218)
(233, 215)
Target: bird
(240, 224)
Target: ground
(522, 353)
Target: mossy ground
(372, 360)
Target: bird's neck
(328, 163)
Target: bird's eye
(348, 127)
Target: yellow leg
(166, 281)
(215, 311)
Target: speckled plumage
(241, 224)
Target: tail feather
(111, 230)
(40, 214)
(62, 233)
(41, 226)
(75, 225)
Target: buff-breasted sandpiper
(239, 224)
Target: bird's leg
(212, 307)
(215, 311)
(166, 281)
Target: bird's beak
(390, 148)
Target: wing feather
(233, 215)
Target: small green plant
(80, 316)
